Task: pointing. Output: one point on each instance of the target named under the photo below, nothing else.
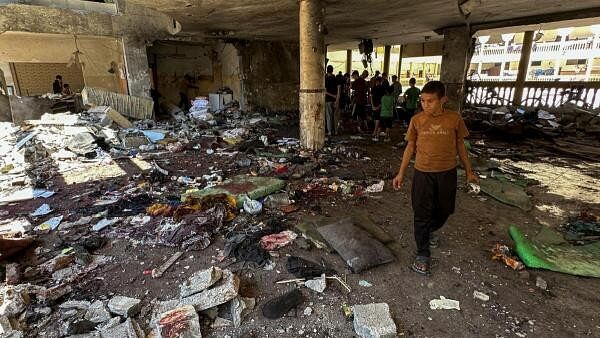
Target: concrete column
(349, 61)
(312, 75)
(558, 60)
(590, 61)
(136, 64)
(386, 59)
(523, 67)
(456, 57)
(399, 64)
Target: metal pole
(523, 67)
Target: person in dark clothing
(57, 85)
(436, 136)
(184, 97)
(332, 99)
(385, 82)
(359, 98)
(377, 92)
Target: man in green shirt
(388, 101)
(411, 97)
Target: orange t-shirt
(436, 136)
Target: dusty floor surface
(461, 264)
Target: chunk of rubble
(124, 306)
(75, 304)
(200, 281)
(182, 322)
(13, 273)
(240, 307)
(129, 329)
(221, 293)
(97, 312)
(80, 326)
(13, 302)
(374, 321)
(317, 284)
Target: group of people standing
(377, 100)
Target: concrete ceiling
(387, 22)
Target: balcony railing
(575, 49)
(535, 93)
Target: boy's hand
(472, 177)
(397, 182)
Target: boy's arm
(406, 157)
(463, 154)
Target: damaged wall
(271, 74)
(212, 65)
(97, 54)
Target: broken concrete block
(13, 273)
(240, 307)
(124, 306)
(13, 302)
(317, 284)
(114, 321)
(221, 293)
(75, 304)
(182, 322)
(59, 262)
(119, 119)
(129, 329)
(98, 313)
(80, 326)
(5, 325)
(373, 321)
(200, 281)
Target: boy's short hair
(434, 87)
(330, 69)
(355, 73)
(394, 77)
(412, 80)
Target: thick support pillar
(456, 57)
(312, 75)
(386, 59)
(523, 67)
(136, 64)
(349, 61)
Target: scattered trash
(42, 210)
(356, 246)
(481, 296)
(444, 303)
(378, 187)
(502, 252)
(50, 224)
(541, 283)
(252, 207)
(103, 223)
(276, 241)
(157, 273)
(317, 284)
(364, 283)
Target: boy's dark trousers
(433, 197)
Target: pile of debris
(243, 201)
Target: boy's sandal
(421, 265)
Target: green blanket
(548, 250)
(506, 192)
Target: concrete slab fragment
(124, 306)
(129, 329)
(374, 321)
(200, 281)
(224, 291)
(182, 322)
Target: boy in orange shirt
(436, 136)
